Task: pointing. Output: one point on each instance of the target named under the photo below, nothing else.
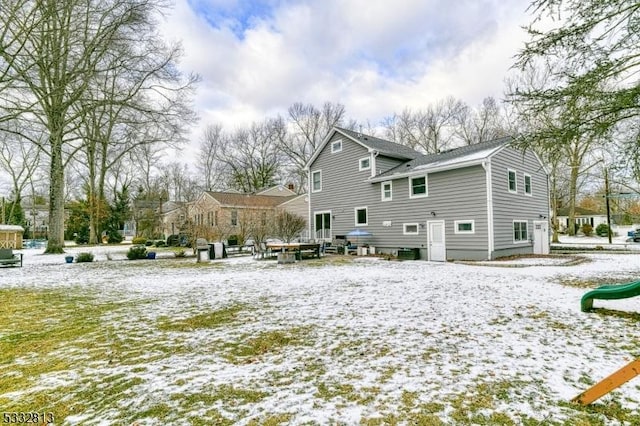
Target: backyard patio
(337, 340)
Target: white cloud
(375, 57)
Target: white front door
(540, 237)
(437, 249)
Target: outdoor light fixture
(541, 216)
(433, 214)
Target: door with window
(322, 225)
(437, 248)
(540, 237)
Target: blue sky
(376, 57)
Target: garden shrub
(137, 252)
(114, 237)
(173, 240)
(602, 230)
(180, 253)
(148, 243)
(84, 257)
(139, 240)
(160, 243)
(587, 229)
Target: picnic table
(297, 248)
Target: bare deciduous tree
(52, 52)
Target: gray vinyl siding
(517, 206)
(384, 163)
(453, 195)
(343, 186)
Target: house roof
(465, 155)
(579, 212)
(230, 199)
(385, 147)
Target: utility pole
(2, 218)
(606, 197)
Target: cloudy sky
(376, 57)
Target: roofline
(292, 199)
(326, 140)
(427, 170)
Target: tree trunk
(55, 242)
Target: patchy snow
(431, 328)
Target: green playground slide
(609, 292)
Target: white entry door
(540, 237)
(437, 249)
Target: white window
(527, 185)
(464, 227)
(336, 146)
(511, 177)
(410, 228)
(361, 216)
(387, 191)
(418, 187)
(316, 181)
(520, 234)
(364, 164)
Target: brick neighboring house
(219, 215)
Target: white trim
(313, 173)
(513, 222)
(355, 213)
(515, 181)
(360, 168)
(458, 222)
(530, 193)
(491, 239)
(334, 143)
(426, 186)
(382, 197)
(404, 228)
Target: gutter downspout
(490, 237)
(373, 163)
(309, 221)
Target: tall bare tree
(208, 165)
(429, 130)
(20, 160)
(50, 54)
(307, 126)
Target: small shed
(11, 236)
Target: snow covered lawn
(331, 341)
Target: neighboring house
(475, 202)
(582, 216)
(218, 215)
(173, 217)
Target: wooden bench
(7, 257)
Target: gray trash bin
(202, 250)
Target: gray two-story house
(475, 202)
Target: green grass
(213, 319)
(250, 348)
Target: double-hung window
(418, 187)
(527, 185)
(512, 182)
(520, 234)
(336, 146)
(316, 181)
(387, 191)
